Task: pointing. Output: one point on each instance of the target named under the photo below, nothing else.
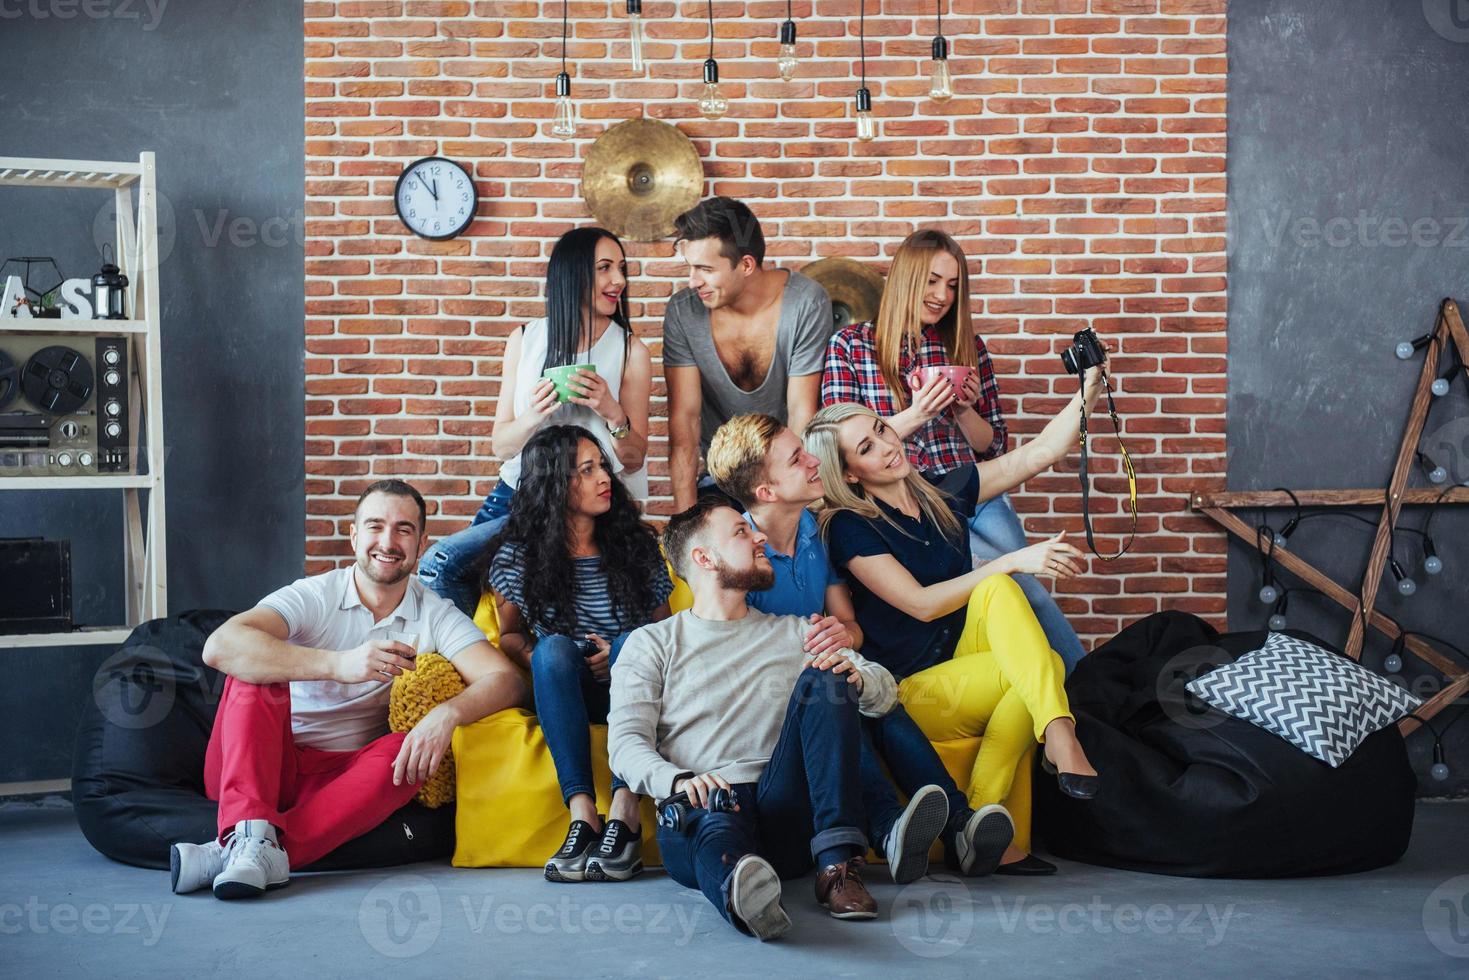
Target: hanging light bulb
(635, 36)
(563, 124)
(563, 120)
(712, 105)
(1269, 593)
(1392, 663)
(940, 84)
(866, 128)
(786, 63)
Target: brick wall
(1081, 163)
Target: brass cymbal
(855, 289)
(638, 176)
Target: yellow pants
(1004, 683)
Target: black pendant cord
(938, 12)
(563, 36)
(788, 10)
(710, 5)
(862, 39)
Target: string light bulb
(1277, 619)
(635, 36)
(1408, 348)
(1432, 563)
(1406, 586)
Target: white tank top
(608, 354)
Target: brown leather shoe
(840, 891)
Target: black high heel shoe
(1029, 866)
(1073, 784)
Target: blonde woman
(963, 642)
(900, 366)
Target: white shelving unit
(144, 531)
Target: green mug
(561, 375)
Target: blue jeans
(454, 567)
(897, 740)
(806, 808)
(996, 530)
(569, 699)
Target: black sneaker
(570, 863)
(982, 841)
(913, 833)
(618, 856)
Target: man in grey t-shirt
(741, 338)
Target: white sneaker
(255, 863)
(914, 832)
(754, 898)
(192, 866)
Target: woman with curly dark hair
(574, 570)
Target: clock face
(435, 198)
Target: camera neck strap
(1086, 509)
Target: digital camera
(1086, 351)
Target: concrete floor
(67, 911)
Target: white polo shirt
(325, 612)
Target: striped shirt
(593, 609)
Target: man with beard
(723, 699)
(300, 754)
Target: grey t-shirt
(801, 336)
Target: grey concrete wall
(214, 88)
(1348, 224)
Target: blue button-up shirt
(801, 579)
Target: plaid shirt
(852, 375)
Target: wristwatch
(621, 432)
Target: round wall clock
(435, 198)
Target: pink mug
(957, 376)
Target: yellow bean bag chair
(510, 813)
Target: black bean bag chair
(1188, 790)
(137, 781)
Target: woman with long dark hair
(923, 367)
(575, 569)
(586, 322)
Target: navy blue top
(899, 642)
(801, 579)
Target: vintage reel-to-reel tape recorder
(63, 405)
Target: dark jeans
(897, 740)
(807, 806)
(568, 701)
(454, 567)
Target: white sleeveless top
(608, 354)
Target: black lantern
(107, 292)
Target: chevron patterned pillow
(1321, 702)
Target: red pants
(317, 800)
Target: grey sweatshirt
(693, 695)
